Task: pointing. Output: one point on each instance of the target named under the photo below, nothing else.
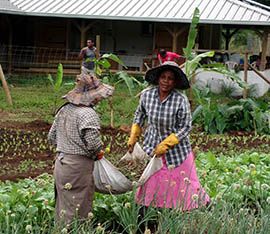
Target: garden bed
(233, 168)
(25, 152)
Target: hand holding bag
(108, 179)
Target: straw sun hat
(153, 74)
(89, 90)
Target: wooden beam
(154, 37)
(210, 36)
(83, 34)
(227, 38)
(83, 30)
(98, 45)
(245, 74)
(264, 50)
(259, 74)
(228, 35)
(67, 37)
(5, 86)
(168, 29)
(10, 42)
(175, 33)
(224, 51)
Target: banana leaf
(114, 58)
(59, 78)
(192, 65)
(57, 83)
(129, 81)
(104, 63)
(192, 34)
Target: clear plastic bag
(154, 165)
(137, 155)
(108, 179)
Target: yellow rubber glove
(168, 143)
(134, 136)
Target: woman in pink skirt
(168, 117)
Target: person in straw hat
(76, 134)
(168, 115)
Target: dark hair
(90, 39)
(162, 52)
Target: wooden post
(10, 40)
(5, 86)
(245, 74)
(228, 35)
(227, 39)
(174, 39)
(210, 36)
(264, 50)
(83, 32)
(154, 37)
(67, 38)
(83, 29)
(192, 82)
(154, 56)
(175, 34)
(98, 45)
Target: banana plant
(116, 79)
(102, 68)
(57, 84)
(192, 65)
(103, 63)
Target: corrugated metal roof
(6, 5)
(212, 11)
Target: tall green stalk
(56, 84)
(193, 60)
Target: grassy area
(33, 98)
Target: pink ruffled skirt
(177, 187)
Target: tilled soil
(25, 152)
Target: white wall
(216, 81)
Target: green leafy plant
(103, 63)
(102, 68)
(117, 79)
(56, 84)
(193, 65)
(243, 114)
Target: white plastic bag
(137, 155)
(108, 179)
(154, 165)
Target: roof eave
(127, 18)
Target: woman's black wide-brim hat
(153, 74)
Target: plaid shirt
(172, 115)
(75, 130)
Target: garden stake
(5, 86)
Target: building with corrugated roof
(49, 30)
